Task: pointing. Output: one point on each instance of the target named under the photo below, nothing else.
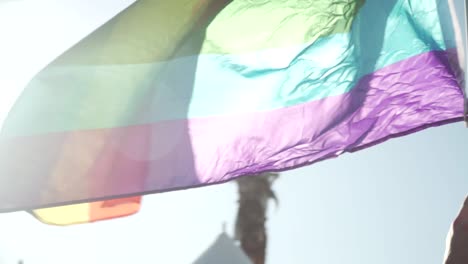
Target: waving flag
(177, 94)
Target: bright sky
(389, 204)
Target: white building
(224, 250)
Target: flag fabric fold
(88, 212)
(178, 94)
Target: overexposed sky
(33, 33)
(389, 204)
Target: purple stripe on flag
(80, 166)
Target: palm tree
(254, 193)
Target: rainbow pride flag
(177, 94)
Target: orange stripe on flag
(114, 208)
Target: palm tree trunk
(254, 193)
